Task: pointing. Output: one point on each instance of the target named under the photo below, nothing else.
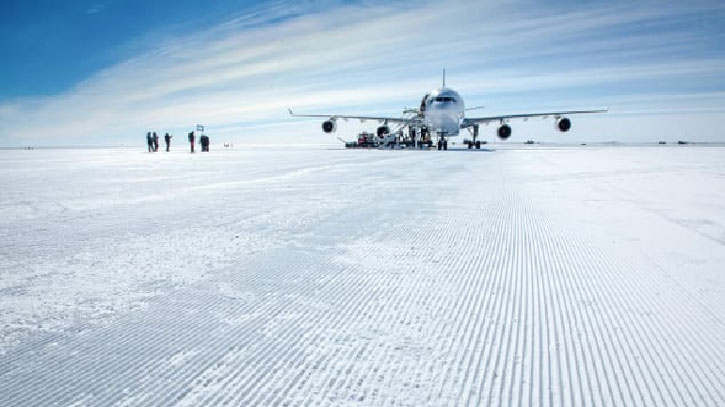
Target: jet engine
(329, 126)
(383, 130)
(563, 124)
(504, 132)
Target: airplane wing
(467, 122)
(401, 120)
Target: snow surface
(530, 276)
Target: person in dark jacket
(167, 139)
(204, 139)
(191, 140)
(150, 141)
(156, 142)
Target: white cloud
(240, 77)
(95, 9)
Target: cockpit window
(445, 99)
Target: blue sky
(103, 73)
(56, 44)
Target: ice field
(575, 276)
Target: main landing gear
(442, 144)
(475, 142)
(425, 140)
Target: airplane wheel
(478, 145)
(440, 145)
(470, 146)
(445, 145)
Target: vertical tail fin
(444, 77)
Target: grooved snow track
(506, 281)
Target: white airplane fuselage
(443, 111)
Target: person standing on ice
(204, 140)
(167, 139)
(191, 141)
(150, 141)
(156, 142)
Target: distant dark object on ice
(681, 142)
(662, 143)
(191, 140)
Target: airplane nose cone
(444, 122)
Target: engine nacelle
(563, 124)
(504, 132)
(329, 126)
(383, 130)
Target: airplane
(442, 113)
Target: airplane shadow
(457, 150)
(472, 151)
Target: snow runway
(564, 276)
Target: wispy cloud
(95, 9)
(239, 77)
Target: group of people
(152, 139)
(203, 140)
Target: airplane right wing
(380, 119)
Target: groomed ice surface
(515, 277)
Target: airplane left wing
(380, 119)
(467, 122)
